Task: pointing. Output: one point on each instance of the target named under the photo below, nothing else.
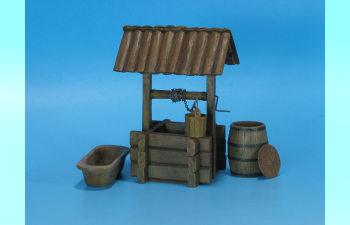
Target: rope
(177, 95)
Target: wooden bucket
(245, 140)
(195, 123)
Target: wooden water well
(162, 151)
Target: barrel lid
(269, 161)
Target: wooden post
(220, 148)
(147, 102)
(193, 163)
(143, 159)
(161, 94)
(211, 122)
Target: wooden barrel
(245, 140)
(195, 123)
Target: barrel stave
(245, 169)
(245, 139)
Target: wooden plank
(133, 52)
(147, 102)
(171, 141)
(220, 147)
(179, 128)
(142, 159)
(142, 175)
(200, 52)
(123, 51)
(170, 172)
(168, 181)
(175, 51)
(221, 162)
(193, 163)
(178, 141)
(192, 147)
(144, 49)
(171, 156)
(164, 51)
(210, 53)
(235, 59)
(193, 179)
(221, 53)
(186, 55)
(220, 132)
(211, 122)
(143, 142)
(179, 173)
(220, 154)
(158, 126)
(133, 152)
(154, 49)
(160, 94)
(133, 169)
(173, 173)
(175, 127)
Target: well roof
(176, 50)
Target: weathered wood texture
(193, 163)
(199, 56)
(133, 51)
(211, 92)
(171, 141)
(184, 63)
(210, 57)
(175, 52)
(143, 159)
(193, 179)
(123, 51)
(179, 128)
(167, 42)
(172, 173)
(147, 102)
(154, 50)
(220, 148)
(179, 50)
(195, 124)
(269, 161)
(245, 140)
(221, 135)
(158, 126)
(144, 49)
(160, 94)
(175, 127)
(192, 147)
(221, 53)
(221, 162)
(171, 157)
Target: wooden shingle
(176, 50)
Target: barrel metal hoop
(247, 175)
(247, 129)
(247, 146)
(242, 160)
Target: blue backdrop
(74, 102)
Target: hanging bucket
(195, 123)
